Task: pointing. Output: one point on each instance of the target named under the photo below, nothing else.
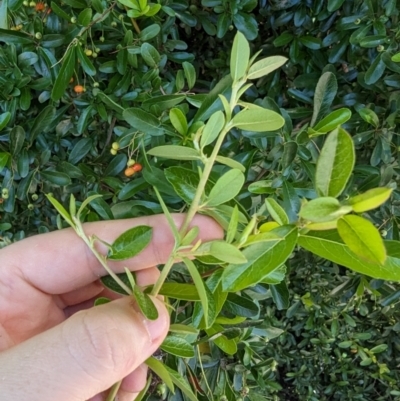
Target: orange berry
(79, 89)
(137, 167)
(40, 6)
(129, 172)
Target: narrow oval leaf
(226, 188)
(265, 66)
(190, 74)
(329, 245)
(130, 243)
(4, 119)
(65, 74)
(262, 259)
(177, 346)
(370, 200)
(143, 121)
(258, 119)
(178, 120)
(335, 164)
(145, 303)
(227, 252)
(276, 211)
(212, 128)
(231, 163)
(198, 282)
(325, 92)
(361, 236)
(323, 209)
(184, 292)
(175, 152)
(240, 56)
(161, 371)
(333, 120)
(86, 64)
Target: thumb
(84, 355)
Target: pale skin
(53, 344)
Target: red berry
(137, 167)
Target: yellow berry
(88, 52)
(131, 162)
(115, 145)
(113, 152)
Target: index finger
(60, 261)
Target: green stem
(100, 258)
(194, 207)
(113, 391)
(164, 274)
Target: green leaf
(332, 121)
(150, 55)
(262, 258)
(229, 346)
(15, 37)
(86, 64)
(130, 243)
(212, 128)
(230, 163)
(184, 292)
(59, 11)
(145, 303)
(246, 24)
(101, 301)
(266, 66)
(182, 329)
(4, 14)
(55, 177)
(4, 158)
(328, 245)
(42, 122)
(181, 383)
(369, 116)
(190, 236)
(375, 70)
(178, 120)
(258, 119)
(161, 371)
(323, 209)
(143, 121)
(325, 92)
(65, 74)
(276, 211)
(85, 203)
(4, 119)
(190, 74)
(60, 209)
(184, 181)
(362, 238)
(168, 216)
(311, 42)
(227, 252)
(80, 150)
(335, 164)
(239, 57)
(85, 16)
(198, 282)
(280, 295)
(149, 32)
(17, 139)
(177, 346)
(226, 188)
(370, 199)
(233, 225)
(175, 152)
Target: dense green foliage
(144, 79)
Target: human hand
(53, 345)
